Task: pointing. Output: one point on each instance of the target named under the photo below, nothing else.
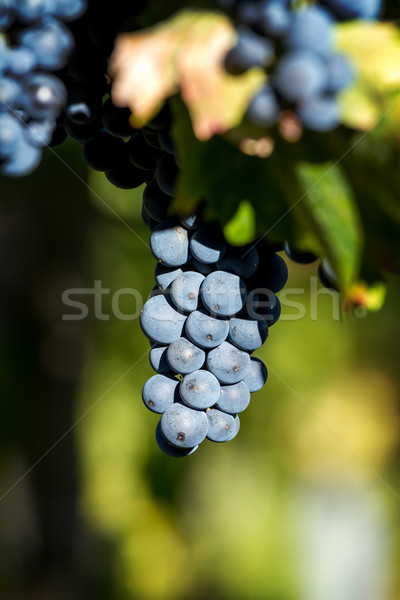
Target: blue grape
(104, 151)
(184, 357)
(274, 18)
(116, 121)
(46, 96)
(222, 427)
(257, 375)
(320, 113)
(125, 175)
(170, 244)
(300, 74)
(166, 173)
(246, 334)
(251, 50)
(199, 389)
(242, 261)
(233, 398)
(272, 273)
(208, 244)
(355, 9)
(10, 134)
(166, 142)
(185, 290)
(10, 93)
(158, 359)
(266, 307)
(327, 276)
(228, 364)
(311, 29)
(263, 109)
(21, 61)
(69, 9)
(190, 221)
(203, 268)
(168, 448)
(156, 202)
(165, 275)
(159, 392)
(32, 10)
(340, 72)
(184, 427)
(7, 13)
(299, 256)
(160, 321)
(40, 133)
(205, 331)
(223, 294)
(51, 42)
(23, 161)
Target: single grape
(184, 357)
(200, 389)
(11, 133)
(160, 321)
(168, 448)
(23, 161)
(228, 364)
(223, 294)
(206, 331)
(141, 154)
(166, 173)
(299, 256)
(185, 290)
(246, 334)
(116, 120)
(340, 72)
(300, 74)
(257, 375)
(39, 133)
(160, 392)
(233, 398)
(250, 50)
(46, 96)
(126, 176)
(264, 306)
(158, 360)
(272, 272)
(222, 427)
(203, 268)
(208, 244)
(104, 151)
(263, 110)
(242, 261)
(184, 427)
(170, 244)
(51, 43)
(156, 202)
(319, 113)
(274, 18)
(165, 275)
(311, 29)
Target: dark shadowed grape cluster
(295, 45)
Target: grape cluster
(295, 47)
(35, 46)
(211, 307)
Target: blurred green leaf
(241, 228)
(333, 214)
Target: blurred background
(302, 505)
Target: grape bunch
(295, 47)
(35, 45)
(210, 309)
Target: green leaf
(241, 229)
(333, 215)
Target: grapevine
(74, 69)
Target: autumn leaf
(185, 54)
